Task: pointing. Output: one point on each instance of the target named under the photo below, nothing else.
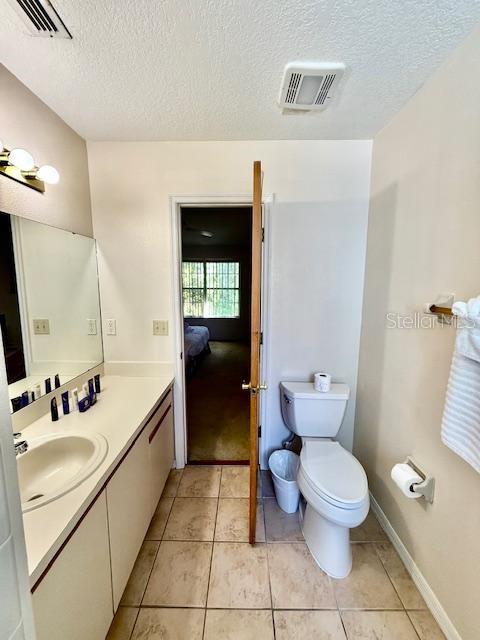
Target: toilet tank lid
(338, 391)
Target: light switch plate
(111, 325)
(91, 326)
(41, 327)
(160, 327)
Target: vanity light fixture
(21, 159)
(18, 164)
(48, 174)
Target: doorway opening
(216, 247)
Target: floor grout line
(268, 569)
(134, 624)
(159, 544)
(211, 558)
(260, 501)
(316, 609)
(414, 627)
(149, 574)
(388, 575)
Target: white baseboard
(429, 596)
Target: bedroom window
(211, 289)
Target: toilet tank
(310, 413)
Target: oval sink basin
(57, 463)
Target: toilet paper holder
(425, 488)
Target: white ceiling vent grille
(308, 85)
(40, 18)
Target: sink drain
(36, 497)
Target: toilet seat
(333, 474)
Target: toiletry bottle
(57, 381)
(48, 385)
(65, 403)
(25, 399)
(75, 399)
(16, 403)
(31, 396)
(54, 409)
(38, 391)
(97, 383)
(84, 404)
(91, 388)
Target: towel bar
(441, 311)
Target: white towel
(461, 414)
(468, 328)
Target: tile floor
(197, 578)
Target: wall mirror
(49, 307)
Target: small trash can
(284, 467)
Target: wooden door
(254, 386)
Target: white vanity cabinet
(74, 599)
(129, 512)
(161, 448)
(82, 588)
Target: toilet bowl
(331, 480)
(335, 489)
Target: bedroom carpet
(217, 408)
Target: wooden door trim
(255, 342)
(205, 200)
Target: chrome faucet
(20, 447)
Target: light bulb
(21, 159)
(1, 146)
(48, 174)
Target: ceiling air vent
(307, 85)
(40, 18)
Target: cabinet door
(161, 450)
(74, 600)
(129, 512)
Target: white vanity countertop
(121, 411)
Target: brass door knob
(248, 387)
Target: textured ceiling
(211, 69)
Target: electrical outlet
(160, 327)
(111, 325)
(91, 326)
(41, 327)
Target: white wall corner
(417, 576)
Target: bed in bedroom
(196, 345)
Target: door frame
(210, 201)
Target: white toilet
(330, 478)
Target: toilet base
(329, 543)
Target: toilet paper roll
(404, 477)
(322, 381)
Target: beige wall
(423, 239)
(25, 121)
(318, 241)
